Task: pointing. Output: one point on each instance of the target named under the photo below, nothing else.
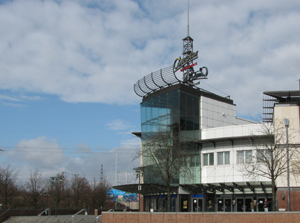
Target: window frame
(266, 155)
(209, 158)
(246, 158)
(224, 155)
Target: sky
(67, 70)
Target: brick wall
(141, 202)
(294, 199)
(130, 217)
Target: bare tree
(54, 190)
(80, 189)
(34, 188)
(8, 185)
(99, 193)
(164, 152)
(269, 156)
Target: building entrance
(197, 205)
(243, 204)
(224, 204)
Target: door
(247, 204)
(224, 204)
(227, 205)
(260, 205)
(220, 204)
(243, 204)
(197, 205)
(184, 204)
(161, 204)
(240, 205)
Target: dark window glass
(211, 159)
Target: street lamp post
(287, 123)
(139, 188)
(55, 180)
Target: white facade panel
(220, 113)
(226, 173)
(231, 131)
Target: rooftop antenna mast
(188, 19)
(186, 63)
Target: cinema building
(219, 143)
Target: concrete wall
(199, 218)
(5, 215)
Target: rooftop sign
(186, 64)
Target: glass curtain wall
(180, 110)
(157, 114)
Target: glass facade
(175, 111)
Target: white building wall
(214, 113)
(230, 172)
(231, 131)
(291, 112)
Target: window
(220, 159)
(208, 159)
(248, 155)
(244, 156)
(211, 159)
(263, 155)
(227, 157)
(223, 158)
(205, 159)
(240, 157)
(194, 160)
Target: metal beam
(239, 187)
(263, 187)
(224, 186)
(251, 187)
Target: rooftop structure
(277, 97)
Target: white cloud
(40, 151)
(83, 149)
(17, 100)
(131, 143)
(8, 98)
(50, 158)
(118, 125)
(14, 105)
(84, 51)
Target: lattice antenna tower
(187, 41)
(187, 45)
(101, 174)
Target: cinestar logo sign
(186, 65)
(182, 63)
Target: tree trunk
(168, 199)
(274, 197)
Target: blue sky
(67, 70)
